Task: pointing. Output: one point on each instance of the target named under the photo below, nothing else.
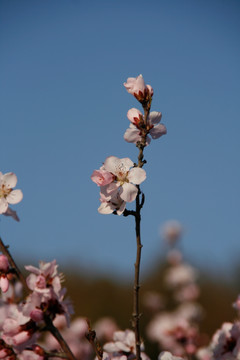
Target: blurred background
(63, 111)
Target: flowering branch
(119, 179)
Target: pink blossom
(123, 343)
(139, 127)
(44, 278)
(226, 342)
(4, 268)
(4, 264)
(102, 177)
(4, 283)
(180, 275)
(105, 328)
(174, 332)
(136, 86)
(125, 178)
(172, 231)
(7, 195)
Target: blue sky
(63, 111)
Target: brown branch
(91, 337)
(55, 332)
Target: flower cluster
(21, 322)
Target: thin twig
(54, 331)
(91, 337)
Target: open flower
(7, 195)
(125, 177)
(138, 127)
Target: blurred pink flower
(165, 355)
(4, 268)
(226, 342)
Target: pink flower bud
(4, 284)
(36, 315)
(21, 337)
(4, 264)
(102, 177)
(3, 353)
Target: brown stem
(139, 204)
(136, 315)
(54, 331)
(91, 337)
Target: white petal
(14, 197)
(3, 205)
(109, 190)
(126, 164)
(154, 117)
(133, 113)
(9, 180)
(128, 192)
(137, 175)
(110, 164)
(132, 135)
(157, 131)
(110, 347)
(106, 208)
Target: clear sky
(63, 111)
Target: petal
(157, 131)
(14, 197)
(9, 180)
(128, 192)
(110, 164)
(154, 117)
(132, 135)
(4, 284)
(106, 208)
(3, 205)
(109, 190)
(133, 113)
(31, 281)
(137, 175)
(116, 165)
(32, 269)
